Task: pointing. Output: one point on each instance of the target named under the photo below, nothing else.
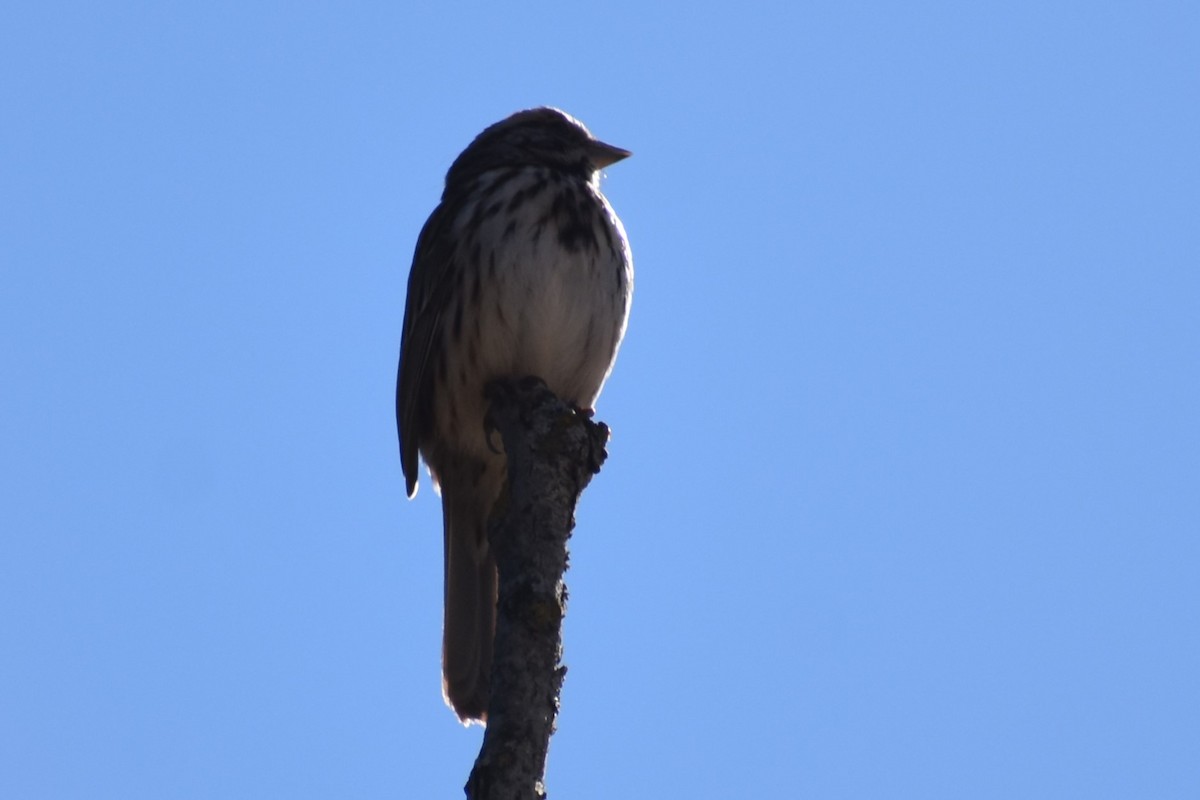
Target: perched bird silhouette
(522, 269)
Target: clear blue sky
(903, 499)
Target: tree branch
(553, 451)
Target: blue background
(903, 498)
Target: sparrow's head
(536, 137)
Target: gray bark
(553, 451)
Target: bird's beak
(603, 155)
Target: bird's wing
(429, 284)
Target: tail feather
(470, 605)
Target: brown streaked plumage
(522, 269)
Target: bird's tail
(470, 602)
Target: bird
(522, 269)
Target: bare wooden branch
(553, 451)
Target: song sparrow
(522, 269)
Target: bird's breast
(553, 282)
